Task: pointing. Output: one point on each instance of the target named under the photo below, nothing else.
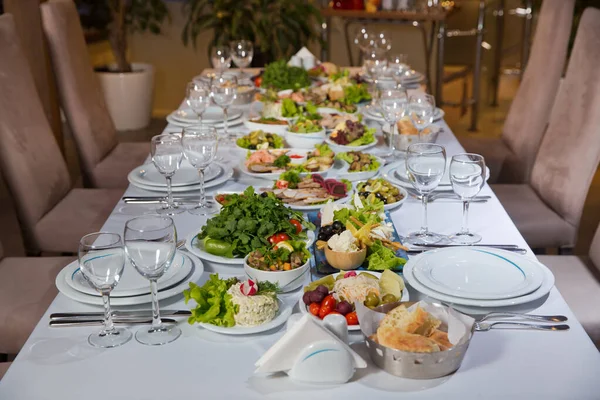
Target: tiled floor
(491, 120)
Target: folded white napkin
(304, 58)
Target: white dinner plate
(544, 289)
(186, 175)
(226, 174)
(219, 125)
(476, 273)
(304, 308)
(343, 173)
(196, 247)
(211, 115)
(281, 317)
(255, 126)
(374, 113)
(194, 276)
(132, 283)
(337, 148)
(317, 207)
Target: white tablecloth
(58, 363)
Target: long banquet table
(58, 363)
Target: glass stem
(465, 218)
(392, 133)
(226, 124)
(202, 196)
(169, 194)
(108, 321)
(424, 224)
(156, 322)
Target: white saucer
(227, 173)
(186, 175)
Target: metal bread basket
(416, 365)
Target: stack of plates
(213, 115)
(132, 288)
(185, 179)
(374, 113)
(478, 277)
(396, 173)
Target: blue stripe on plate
(504, 258)
(317, 352)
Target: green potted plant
(128, 87)
(278, 28)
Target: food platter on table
(392, 196)
(168, 292)
(278, 126)
(357, 170)
(265, 164)
(226, 172)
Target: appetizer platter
(330, 118)
(235, 306)
(260, 140)
(305, 133)
(381, 189)
(358, 166)
(279, 75)
(269, 164)
(273, 125)
(246, 222)
(310, 192)
(338, 293)
(351, 135)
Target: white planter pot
(129, 95)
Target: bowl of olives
(380, 189)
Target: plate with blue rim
(477, 273)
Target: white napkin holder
(303, 59)
(308, 352)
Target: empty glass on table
(200, 144)
(242, 52)
(394, 104)
(467, 175)
(102, 261)
(425, 164)
(220, 57)
(397, 66)
(167, 154)
(197, 97)
(150, 244)
(421, 111)
(224, 91)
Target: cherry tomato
(220, 198)
(282, 184)
(297, 224)
(351, 318)
(325, 310)
(329, 301)
(280, 237)
(314, 309)
(272, 239)
(258, 81)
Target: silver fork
(486, 326)
(531, 317)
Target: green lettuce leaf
(381, 258)
(213, 303)
(367, 138)
(354, 94)
(289, 109)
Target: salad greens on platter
(247, 221)
(353, 134)
(278, 75)
(257, 140)
(305, 125)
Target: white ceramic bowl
(278, 129)
(304, 140)
(395, 204)
(287, 280)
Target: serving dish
(255, 126)
(304, 140)
(286, 280)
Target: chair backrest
(570, 151)
(30, 159)
(595, 249)
(80, 93)
(530, 110)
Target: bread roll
(418, 321)
(396, 339)
(441, 338)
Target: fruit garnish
(285, 245)
(249, 288)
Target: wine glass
(101, 261)
(398, 65)
(167, 154)
(467, 175)
(242, 52)
(425, 164)
(200, 145)
(375, 63)
(380, 41)
(220, 57)
(150, 244)
(224, 92)
(393, 103)
(421, 110)
(197, 97)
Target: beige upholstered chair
(4, 366)
(578, 280)
(53, 216)
(105, 162)
(26, 290)
(548, 210)
(511, 157)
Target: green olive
(389, 298)
(372, 300)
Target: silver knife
(513, 249)
(496, 246)
(120, 314)
(94, 322)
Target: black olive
(381, 197)
(264, 194)
(337, 225)
(364, 194)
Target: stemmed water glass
(224, 91)
(242, 52)
(394, 103)
(467, 175)
(101, 261)
(197, 97)
(375, 63)
(421, 111)
(425, 164)
(150, 244)
(398, 65)
(167, 154)
(200, 145)
(220, 57)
